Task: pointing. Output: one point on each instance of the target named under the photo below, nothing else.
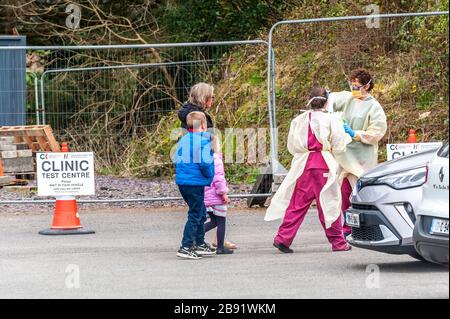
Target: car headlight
(402, 180)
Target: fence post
(36, 97)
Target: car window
(443, 151)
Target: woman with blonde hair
(201, 97)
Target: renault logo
(441, 174)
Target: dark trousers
(194, 231)
(220, 223)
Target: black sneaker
(188, 253)
(282, 248)
(204, 250)
(224, 251)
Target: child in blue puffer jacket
(194, 165)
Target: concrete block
(7, 147)
(7, 139)
(21, 146)
(8, 154)
(18, 165)
(24, 153)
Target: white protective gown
(330, 133)
(368, 120)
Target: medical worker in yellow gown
(365, 121)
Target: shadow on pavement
(406, 267)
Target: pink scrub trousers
(346, 191)
(307, 188)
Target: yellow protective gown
(330, 133)
(368, 120)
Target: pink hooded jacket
(218, 186)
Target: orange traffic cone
(412, 136)
(1, 166)
(66, 220)
(64, 147)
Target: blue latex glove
(349, 130)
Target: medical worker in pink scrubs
(314, 138)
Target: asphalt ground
(132, 255)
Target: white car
(431, 227)
(385, 202)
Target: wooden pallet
(37, 137)
(13, 182)
(6, 180)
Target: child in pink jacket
(216, 201)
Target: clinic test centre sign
(398, 150)
(65, 174)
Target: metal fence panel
(411, 48)
(13, 106)
(121, 100)
(104, 99)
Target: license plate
(352, 219)
(439, 226)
